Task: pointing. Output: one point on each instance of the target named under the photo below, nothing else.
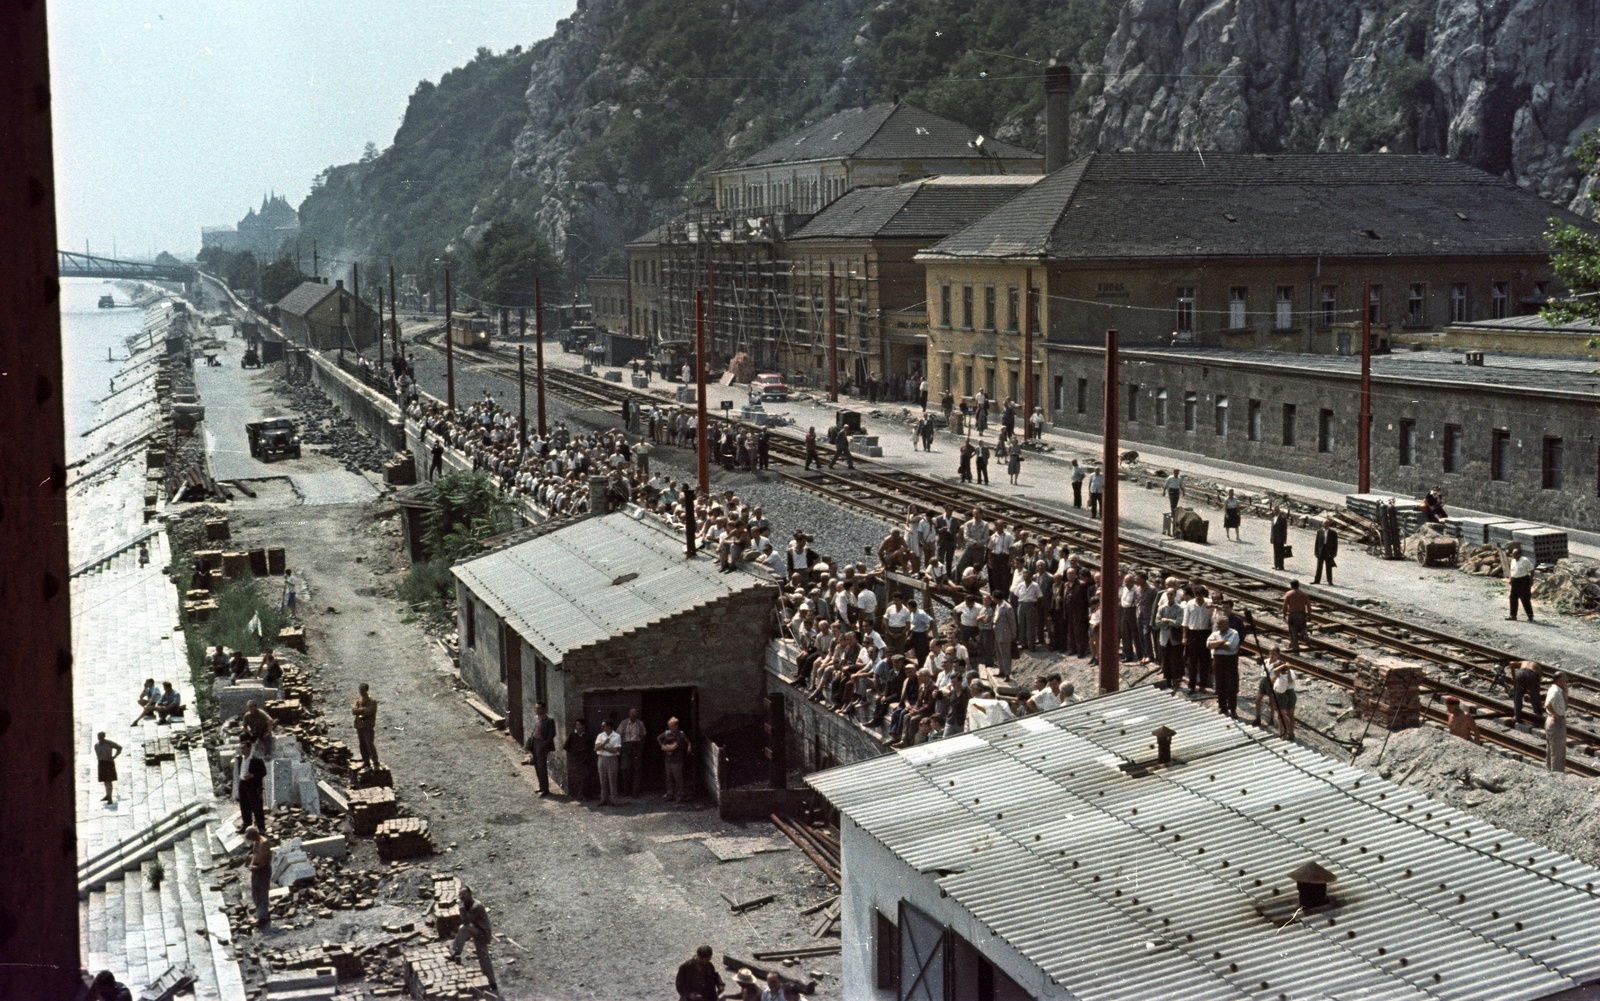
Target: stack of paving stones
(326, 426)
(371, 807)
(339, 956)
(1387, 691)
(366, 778)
(430, 974)
(403, 838)
(446, 906)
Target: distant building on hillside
(262, 232)
(327, 317)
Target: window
(1183, 323)
(966, 307)
(944, 371)
(1083, 396)
(471, 608)
(1190, 409)
(988, 307)
(886, 943)
(1417, 306)
(1452, 448)
(1325, 431)
(1013, 313)
(988, 381)
(1252, 427)
(1458, 303)
(1550, 467)
(966, 381)
(1290, 432)
(1014, 383)
(1375, 304)
(1161, 408)
(944, 305)
(1500, 455)
(1408, 443)
(1060, 394)
(1221, 416)
(1236, 307)
(1329, 305)
(1498, 294)
(1284, 317)
(1133, 403)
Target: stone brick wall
(1527, 414)
(372, 412)
(818, 737)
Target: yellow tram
(470, 330)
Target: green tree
(242, 272)
(1575, 254)
(465, 509)
(507, 260)
(280, 278)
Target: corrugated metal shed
(1173, 882)
(596, 579)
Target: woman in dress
(1230, 516)
(106, 752)
(1014, 460)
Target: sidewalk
(1473, 607)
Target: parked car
(769, 386)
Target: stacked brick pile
(285, 711)
(1387, 691)
(371, 807)
(339, 956)
(366, 778)
(446, 906)
(403, 838)
(431, 975)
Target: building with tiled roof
(327, 318)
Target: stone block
(366, 778)
(403, 838)
(258, 562)
(332, 798)
(199, 611)
(332, 846)
(216, 529)
(293, 637)
(1387, 691)
(430, 973)
(235, 565)
(371, 807)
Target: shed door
(923, 956)
(511, 654)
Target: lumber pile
(820, 844)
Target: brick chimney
(1057, 99)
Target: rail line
(890, 496)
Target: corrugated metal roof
(1123, 886)
(565, 590)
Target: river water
(87, 333)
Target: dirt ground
(586, 902)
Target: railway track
(1343, 631)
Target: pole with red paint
(1364, 442)
(1110, 649)
(702, 439)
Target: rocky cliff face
(1507, 85)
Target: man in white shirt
(1196, 630)
(897, 623)
(1174, 487)
(999, 544)
(841, 603)
(608, 752)
(1555, 723)
(1028, 595)
(921, 626)
(1097, 486)
(1169, 634)
(1520, 569)
(1078, 474)
(1224, 646)
(1046, 695)
(966, 615)
(866, 603)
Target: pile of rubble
(1483, 561)
(1573, 587)
(325, 425)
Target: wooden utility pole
(38, 847)
(538, 349)
(522, 379)
(449, 347)
(1027, 355)
(380, 326)
(394, 321)
(1110, 578)
(711, 301)
(355, 307)
(1364, 442)
(833, 339)
(702, 439)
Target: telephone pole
(1364, 442)
(522, 380)
(538, 347)
(394, 321)
(355, 293)
(702, 439)
(833, 339)
(1110, 579)
(380, 326)
(1027, 355)
(449, 347)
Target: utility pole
(833, 340)
(522, 379)
(702, 461)
(1027, 356)
(1364, 443)
(355, 280)
(380, 326)
(538, 347)
(1110, 578)
(711, 301)
(394, 320)
(316, 272)
(39, 955)
(449, 347)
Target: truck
(269, 439)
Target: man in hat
(1460, 721)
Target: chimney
(339, 284)
(1057, 98)
(1163, 735)
(1311, 880)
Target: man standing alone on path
(474, 926)
(698, 979)
(1279, 537)
(1174, 493)
(436, 463)
(105, 753)
(1325, 548)
(1555, 723)
(1296, 606)
(364, 710)
(1097, 486)
(1078, 473)
(260, 864)
(1520, 569)
(249, 775)
(632, 732)
(1524, 685)
(675, 749)
(540, 743)
(608, 752)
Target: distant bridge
(71, 265)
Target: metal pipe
(702, 461)
(38, 865)
(538, 349)
(811, 853)
(1364, 442)
(1110, 649)
(449, 348)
